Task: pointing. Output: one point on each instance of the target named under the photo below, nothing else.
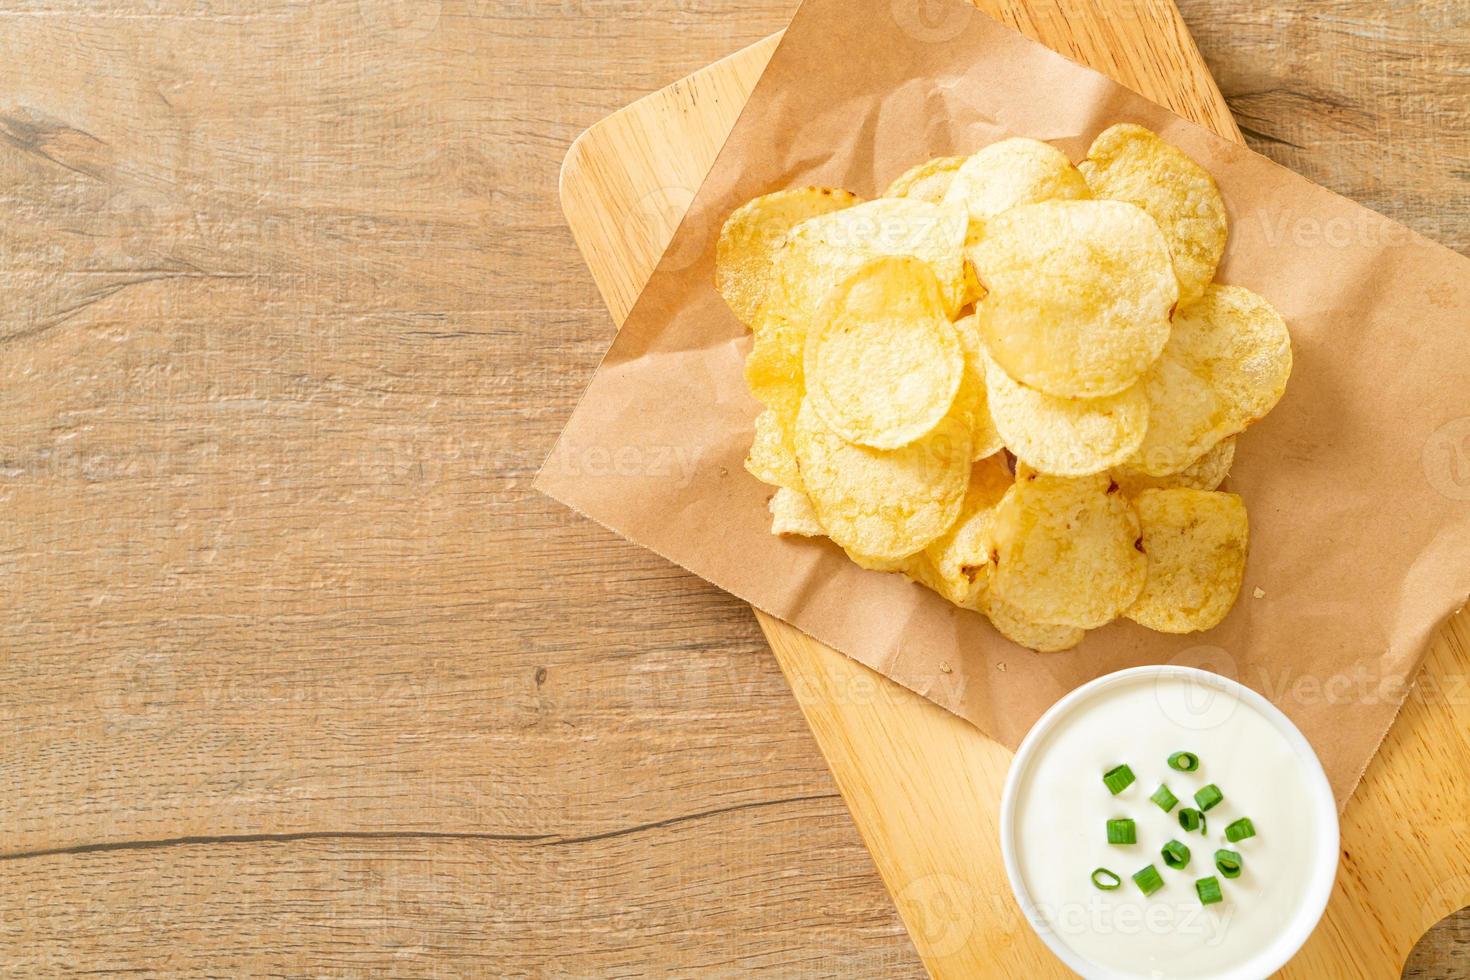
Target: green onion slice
(1176, 855)
(1208, 890)
(1105, 880)
(1208, 797)
(1228, 862)
(1122, 832)
(1148, 880)
(1192, 819)
(1164, 798)
(1240, 830)
(1184, 761)
(1118, 779)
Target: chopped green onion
(1148, 880)
(1176, 855)
(1164, 798)
(1228, 862)
(1240, 830)
(1118, 779)
(1208, 889)
(1122, 832)
(1184, 761)
(1191, 819)
(1105, 880)
(1208, 797)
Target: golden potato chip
(1041, 637)
(792, 513)
(773, 367)
(957, 563)
(926, 182)
(1079, 295)
(1196, 545)
(821, 252)
(772, 459)
(883, 364)
(971, 399)
(1009, 173)
(1186, 417)
(1129, 163)
(754, 231)
(1065, 436)
(883, 504)
(877, 564)
(1225, 366)
(973, 291)
(1205, 473)
(1244, 344)
(1066, 550)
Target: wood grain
(288, 319)
(928, 813)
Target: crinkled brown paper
(1358, 484)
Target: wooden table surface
(297, 676)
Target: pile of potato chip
(1013, 380)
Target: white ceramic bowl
(1322, 867)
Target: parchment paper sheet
(1358, 484)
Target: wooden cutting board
(924, 786)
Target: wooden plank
(923, 786)
(289, 318)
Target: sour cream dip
(1056, 807)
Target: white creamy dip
(1267, 772)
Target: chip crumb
(945, 668)
(1259, 593)
(1001, 668)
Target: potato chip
(1066, 550)
(926, 182)
(1065, 436)
(821, 252)
(1079, 295)
(772, 459)
(754, 231)
(1245, 345)
(957, 563)
(1225, 366)
(1041, 637)
(773, 367)
(883, 504)
(883, 364)
(792, 513)
(1012, 172)
(971, 399)
(1095, 347)
(1130, 163)
(1205, 473)
(973, 291)
(877, 564)
(1196, 544)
